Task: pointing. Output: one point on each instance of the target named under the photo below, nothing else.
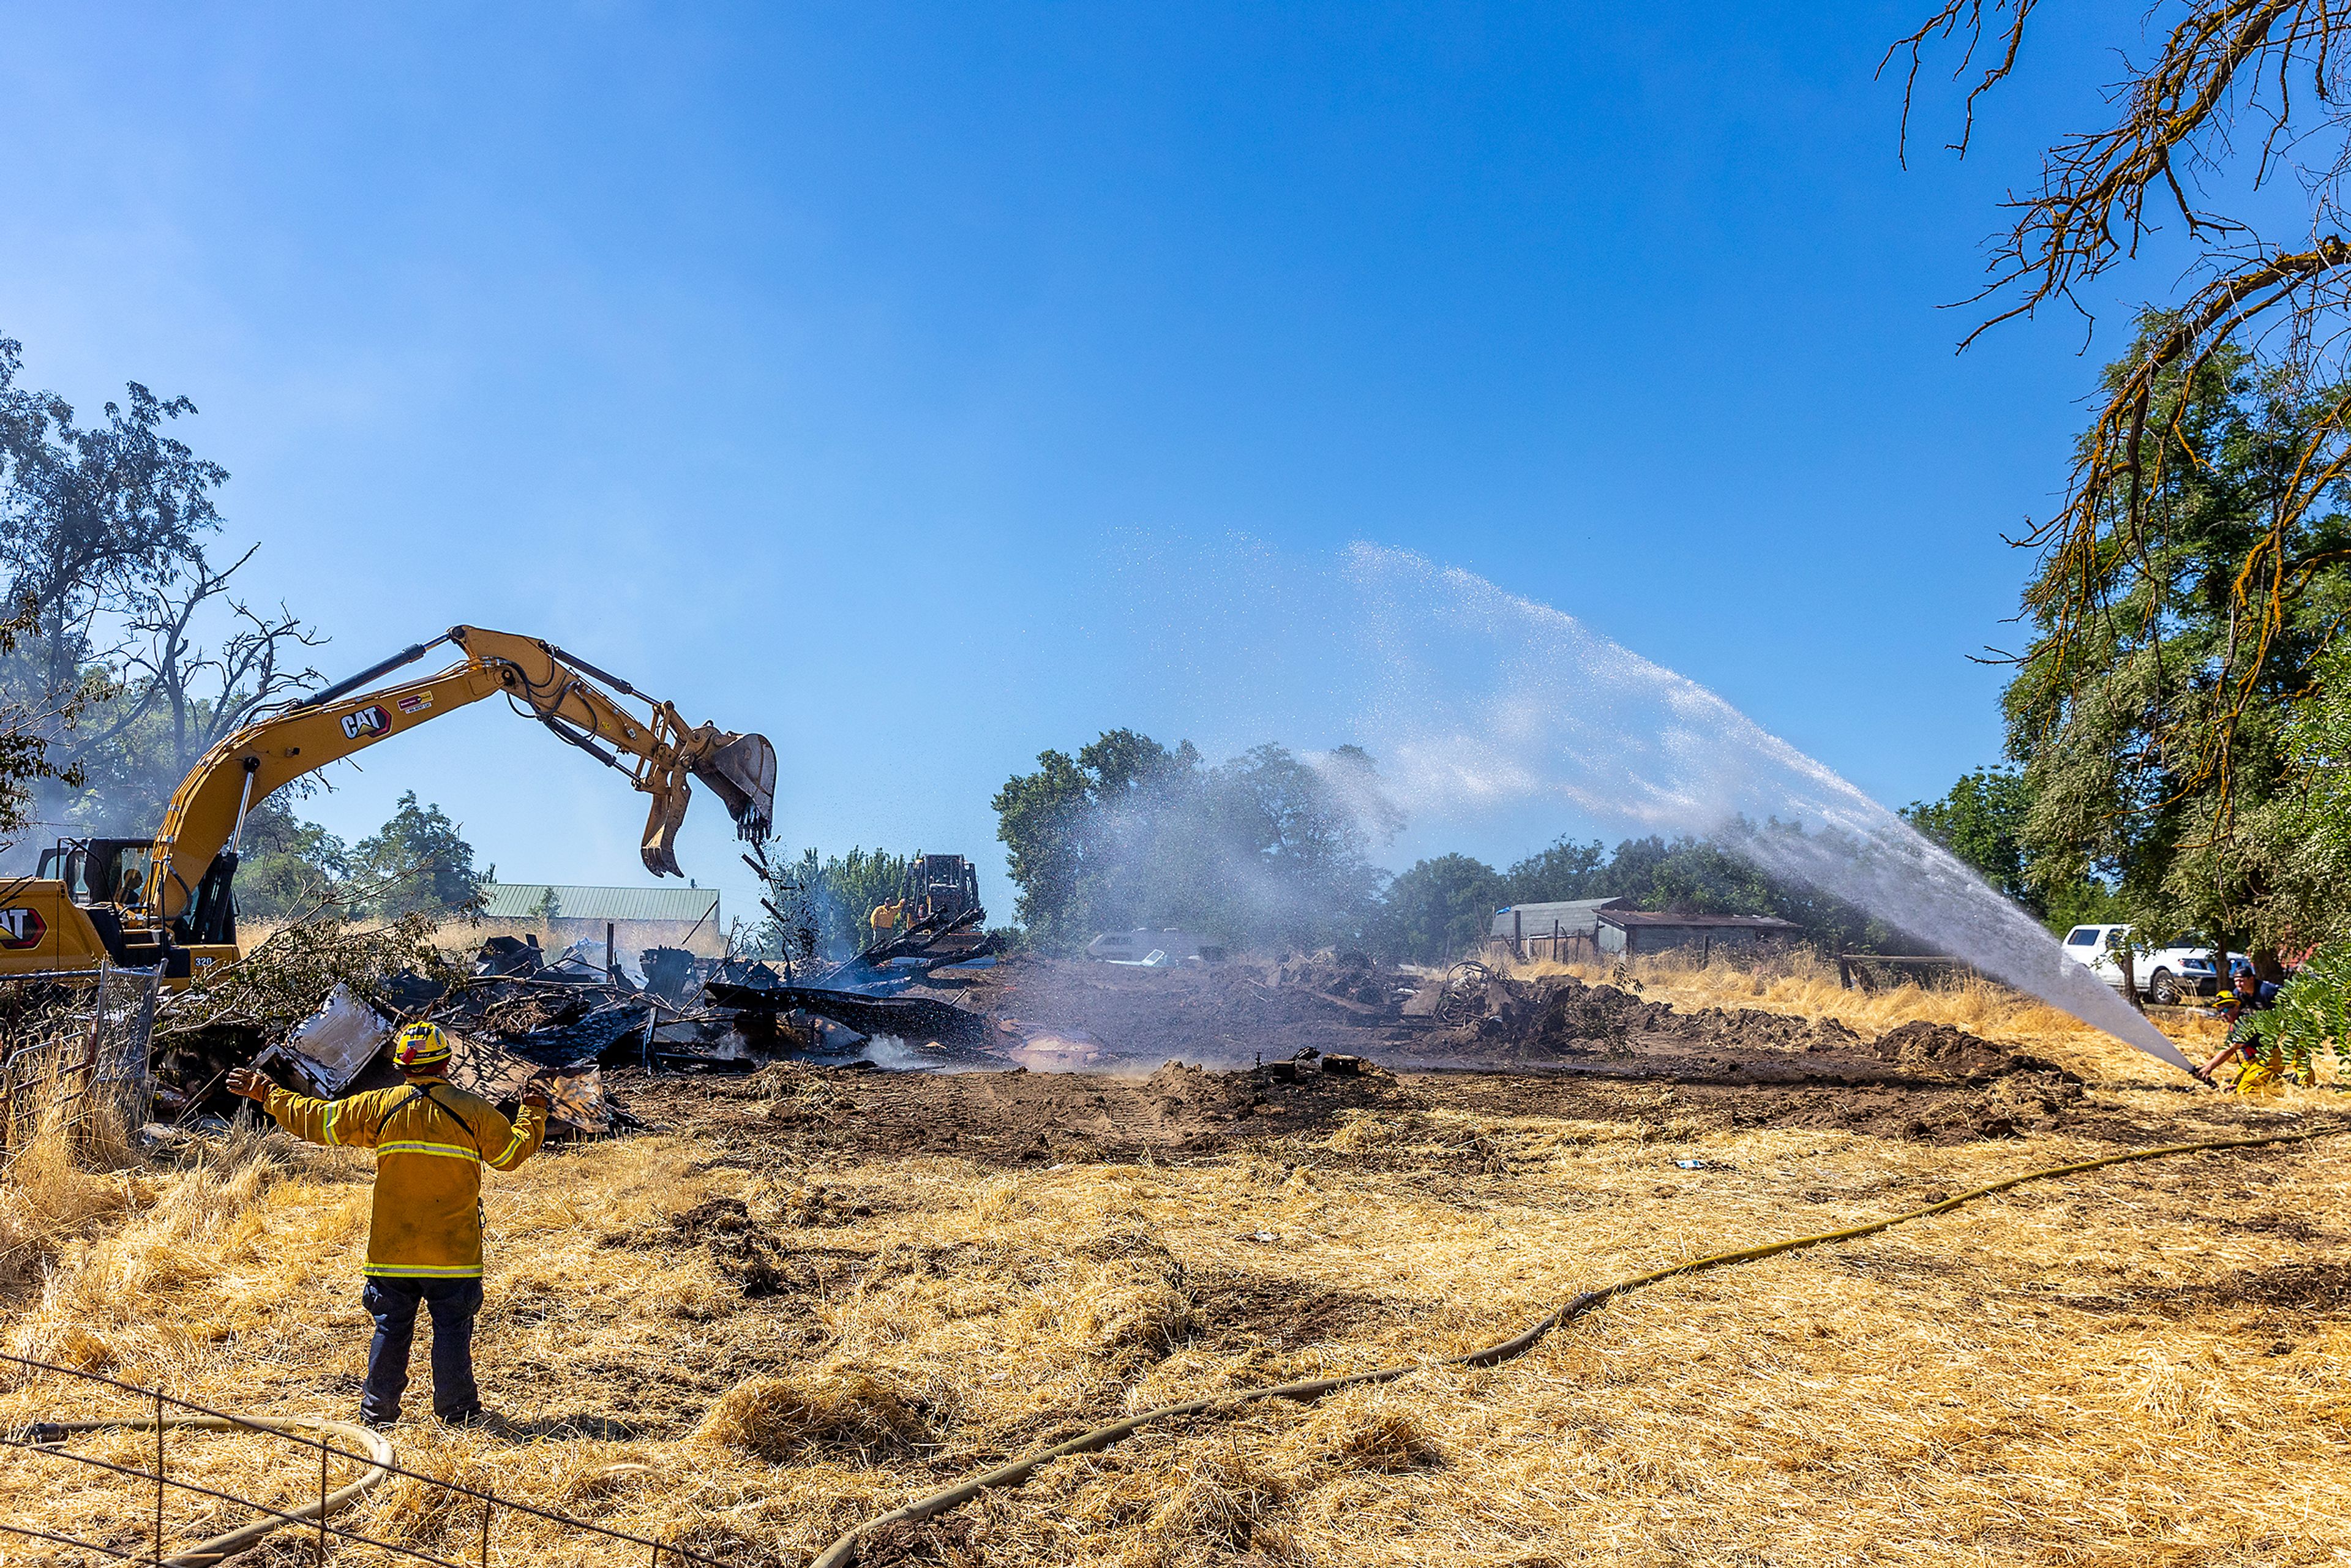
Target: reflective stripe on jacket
(429, 1150)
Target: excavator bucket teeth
(741, 769)
(659, 851)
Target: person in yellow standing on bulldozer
(425, 1238)
(885, 920)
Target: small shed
(1641, 933)
(639, 917)
(1563, 931)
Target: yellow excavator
(168, 901)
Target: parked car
(2166, 975)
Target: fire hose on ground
(378, 1449)
(843, 1551)
(220, 1548)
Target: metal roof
(523, 900)
(1622, 918)
(1574, 916)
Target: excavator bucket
(742, 769)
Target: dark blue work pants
(392, 1303)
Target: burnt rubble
(517, 1017)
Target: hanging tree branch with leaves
(2193, 577)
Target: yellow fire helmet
(419, 1046)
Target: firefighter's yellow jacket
(431, 1140)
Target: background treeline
(129, 651)
(1270, 851)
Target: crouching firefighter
(424, 1241)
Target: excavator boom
(577, 702)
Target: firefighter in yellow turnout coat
(424, 1241)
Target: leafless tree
(2235, 87)
(204, 688)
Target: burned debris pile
(317, 1006)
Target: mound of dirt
(1748, 1029)
(1560, 1018)
(1229, 1014)
(1941, 1050)
(1059, 1013)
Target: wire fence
(79, 1066)
(146, 1489)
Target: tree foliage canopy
(826, 902)
(417, 864)
(134, 652)
(2153, 733)
(1269, 849)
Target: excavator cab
(100, 878)
(100, 871)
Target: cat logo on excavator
(367, 721)
(22, 927)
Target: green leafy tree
(831, 898)
(2311, 1016)
(1439, 909)
(2151, 708)
(136, 653)
(1566, 870)
(860, 879)
(1265, 849)
(91, 517)
(1982, 821)
(418, 863)
(288, 869)
(2314, 819)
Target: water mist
(1557, 713)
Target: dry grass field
(744, 1344)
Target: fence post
(159, 1474)
(97, 1025)
(143, 1044)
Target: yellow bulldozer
(169, 901)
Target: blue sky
(883, 377)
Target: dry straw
(2143, 1366)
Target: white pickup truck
(2165, 975)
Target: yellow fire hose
(374, 1444)
(843, 1552)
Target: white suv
(2165, 975)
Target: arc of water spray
(1572, 717)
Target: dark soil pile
(1939, 1050)
(1039, 1119)
(1607, 1029)
(1229, 1014)
(1014, 1118)
(1236, 1014)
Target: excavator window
(69, 863)
(112, 871)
